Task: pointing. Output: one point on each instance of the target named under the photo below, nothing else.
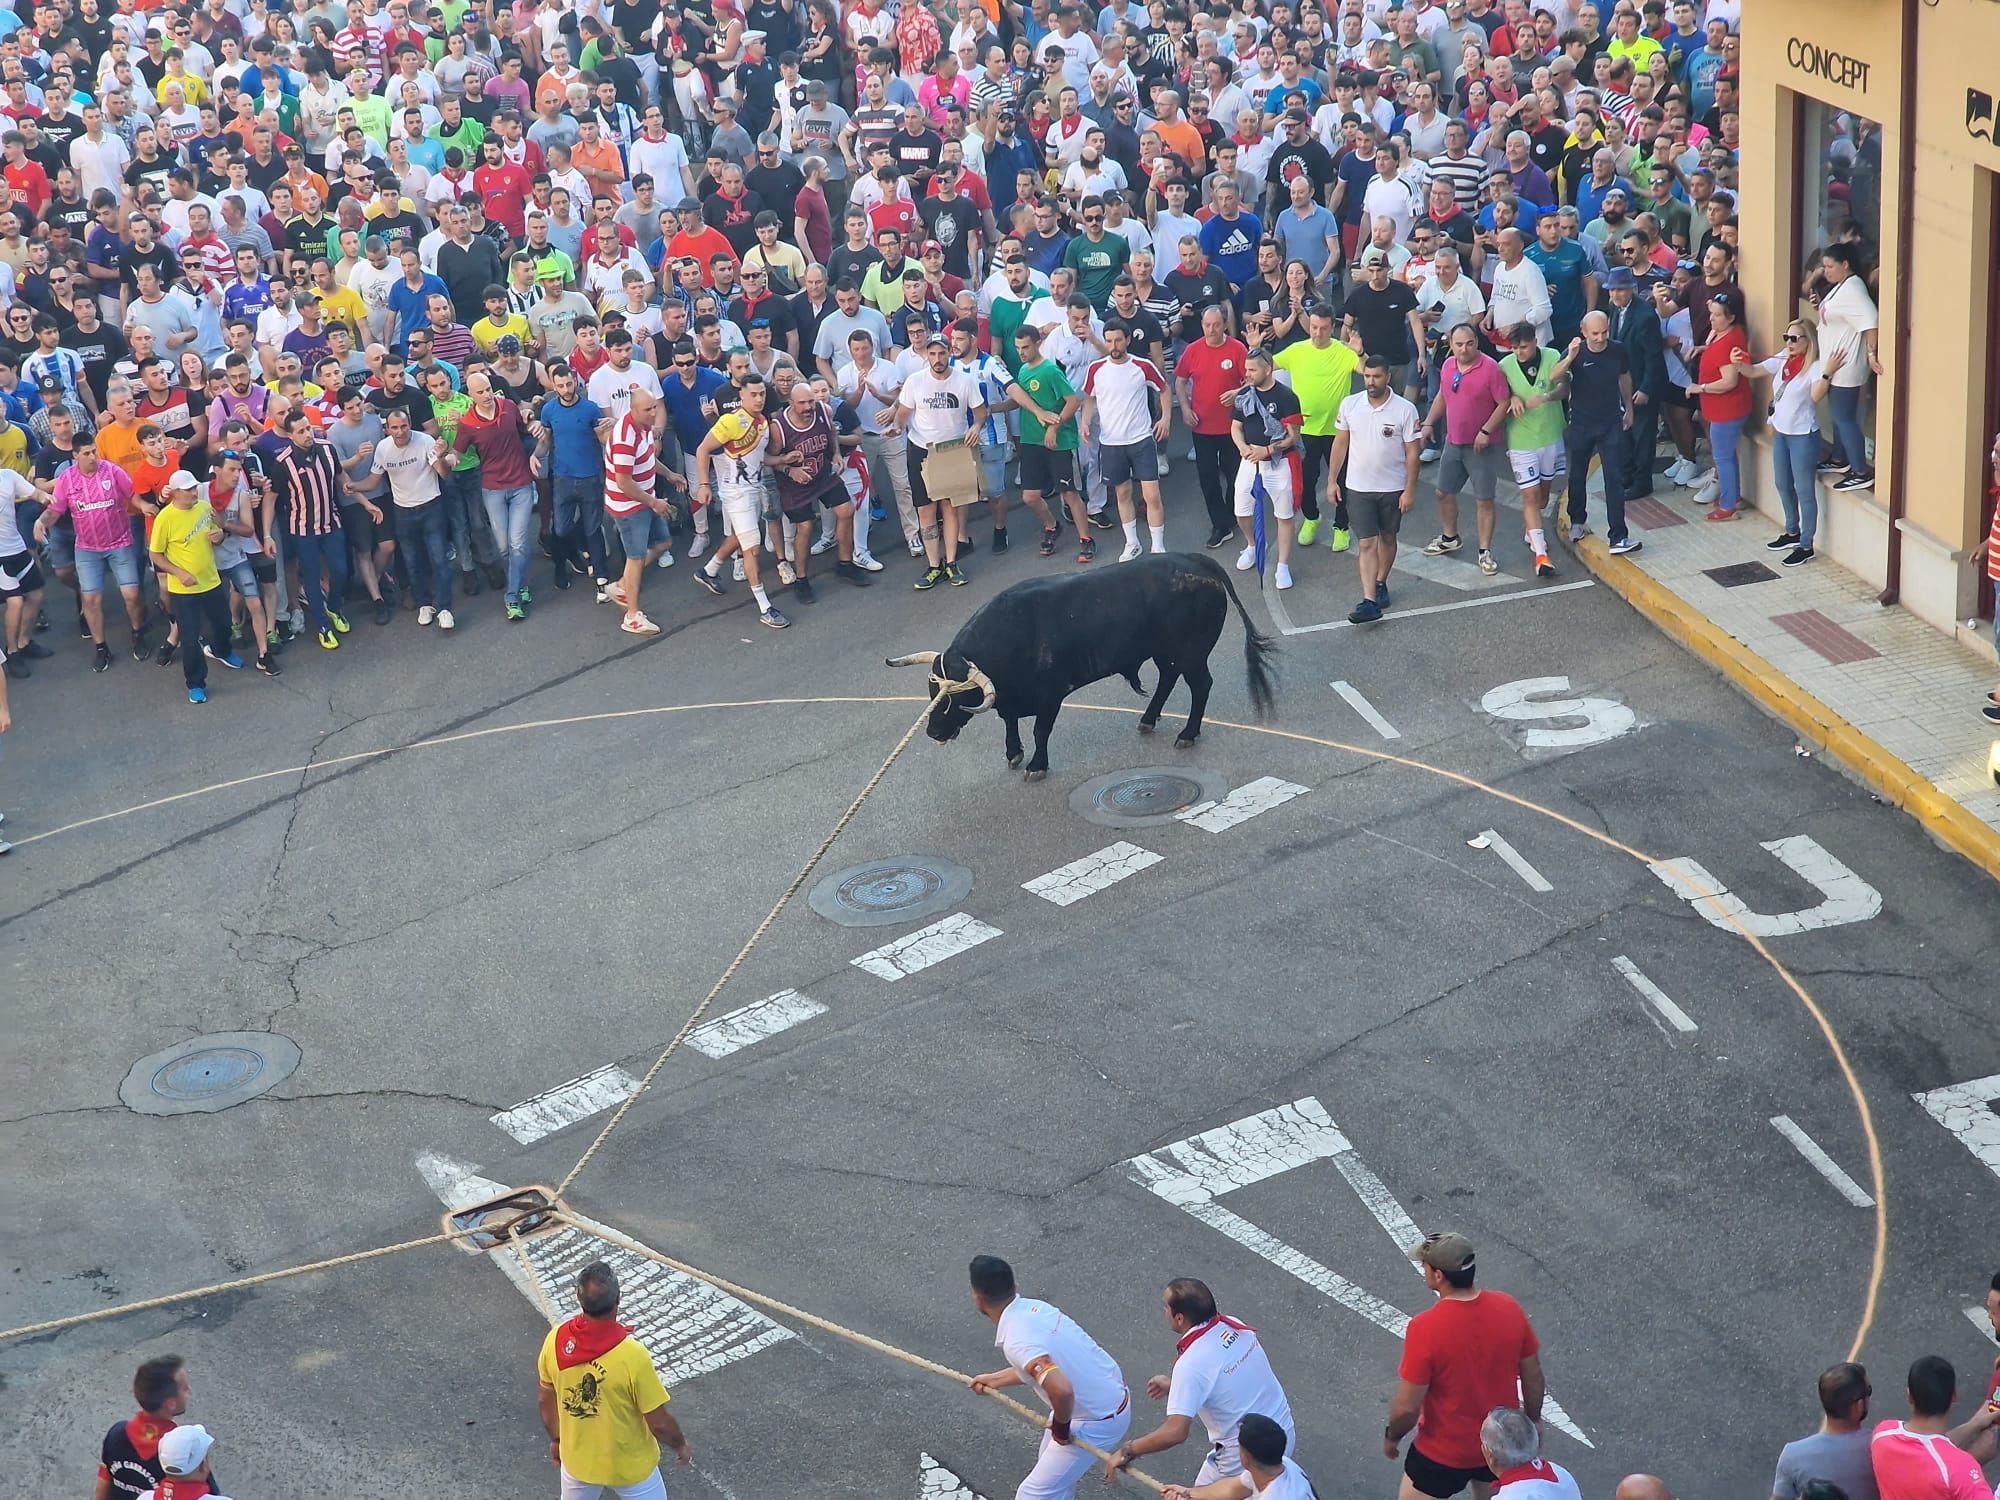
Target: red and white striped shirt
(632, 450)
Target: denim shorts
(993, 469)
(240, 576)
(123, 562)
(642, 531)
(59, 551)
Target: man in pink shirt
(1919, 1457)
(97, 496)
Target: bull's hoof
(1185, 741)
(1014, 762)
(1147, 726)
(1037, 776)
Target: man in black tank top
(806, 456)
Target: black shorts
(24, 569)
(266, 568)
(361, 528)
(1436, 1479)
(1048, 471)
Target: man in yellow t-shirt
(1322, 370)
(183, 539)
(498, 323)
(602, 1403)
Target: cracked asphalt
(449, 929)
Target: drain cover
(1146, 795)
(901, 888)
(209, 1073)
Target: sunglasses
(1795, 338)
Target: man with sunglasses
(1097, 258)
(1838, 1453)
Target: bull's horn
(914, 659)
(985, 685)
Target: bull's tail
(1259, 650)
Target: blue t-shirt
(240, 301)
(1563, 268)
(412, 308)
(573, 437)
(1356, 172)
(1231, 245)
(691, 424)
(1274, 101)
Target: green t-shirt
(1046, 386)
(1097, 265)
(372, 115)
(1542, 427)
(448, 414)
(1321, 379)
(467, 138)
(1003, 320)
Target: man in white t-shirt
(1082, 1385)
(1125, 405)
(612, 383)
(938, 406)
(1221, 1375)
(413, 460)
(1375, 434)
(1267, 1473)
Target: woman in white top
(1849, 325)
(1799, 381)
(1677, 338)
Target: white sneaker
(426, 614)
(1284, 575)
(1246, 559)
(1578, 533)
(1700, 478)
(699, 545)
(1487, 565)
(603, 593)
(445, 621)
(825, 544)
(736, 567)
(666, 560)
(787, 575)
(637, 624)
(865, 561)
(1190, 453)
(1428, 456)
(1679, 472)
(916, 546)
(1709, 493)
(1132, 550)
(1164, 469)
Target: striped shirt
(1467, 176)
(453, 345)
(308, 480)
(632, 451)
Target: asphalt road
(448, 930)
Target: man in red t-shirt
(27, 184)
(503, 189)
(1207, 378)
(696, 240)
(1470, 1352)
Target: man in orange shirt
(598, 160)
(698, 241)
(118, 437)
(1178, 134)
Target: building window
(1840, 188)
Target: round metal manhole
(209, 1073)
(902, 888)
(1145, 795)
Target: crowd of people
(1465, 1407)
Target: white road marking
(943, 939)
(1977, 1317)
(1653, 995)
(1488, 839)
(1248, 800)
(1825, 1165)
(1191, 1174)
(1070, 883)
(1367, 711)
(1966, 1110)
(1845, 896)
(1441, 609)
(1463, 576)
(688, 1326)
(752, 1023)
(567, 1103)
(936, 1482)
(1604, 719)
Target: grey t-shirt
(1841, 1457)
(347, 438)
(820, 131)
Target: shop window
(1840, 188)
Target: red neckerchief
(1187, 1339)
(581, 1340)
(1540, 1469)
(144, 1432)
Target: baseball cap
(1374, 255)
(182, 480)
(183, 1448)
(48, 383)
(929, 246)
(1447, 1250)
(1295, 117)
(937, 341)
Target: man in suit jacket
(1636, 327)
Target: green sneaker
(524, 596)
(931, 579)
(339, 622)
(515, 612)
(1308, 532)
(1342, 540)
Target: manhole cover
(901, 888)
(209, 1073)
(1147, 795)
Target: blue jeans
(1724, 437)
(471, 539)
(423, 541)
(312, 554)
(511, 514)
(579, 522)
(1844, 402)
(1793, 459)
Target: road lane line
(1248, 800)
(936, 1482)
(943, 939)
(737, 1029)
(1068, 884)
(1964, 1109)
(1653, 995)
(1488, 839)
(1441, 609)
(567, 1103)
(1977, 1317)
(1367, 711)
(1825, 1165)
(1463, 576)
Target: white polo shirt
(1376, 457)
(1290, 1484)
(1221, 1374)
(1030, 1332)
(1124, 412)
(1540, 1480)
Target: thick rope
(827, 1325)
(750, 944)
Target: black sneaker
(965, 547)
(803, 591)
(18, 669)
(469, 584)
(384, 611)
(1086, 550)
(167, 653)
(101, 661)
(1798, 557)
(36, 650)
(708, 581)
(957, 576)
(1992, 712)
(1101, 519)
(1784, 541)
(563, 578)
(853, 573)
(931, 579)
(268, 665)
(1048, 546)
(1855, 482)
(1364, 613)
(1217, 537)
(999, 539)
(142, 649)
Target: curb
(1893, 780)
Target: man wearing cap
(182, 543)
(184, 1470)
(1471, 1352)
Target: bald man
(1600, 420)
(1642, 1487)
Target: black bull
(1033, 644)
